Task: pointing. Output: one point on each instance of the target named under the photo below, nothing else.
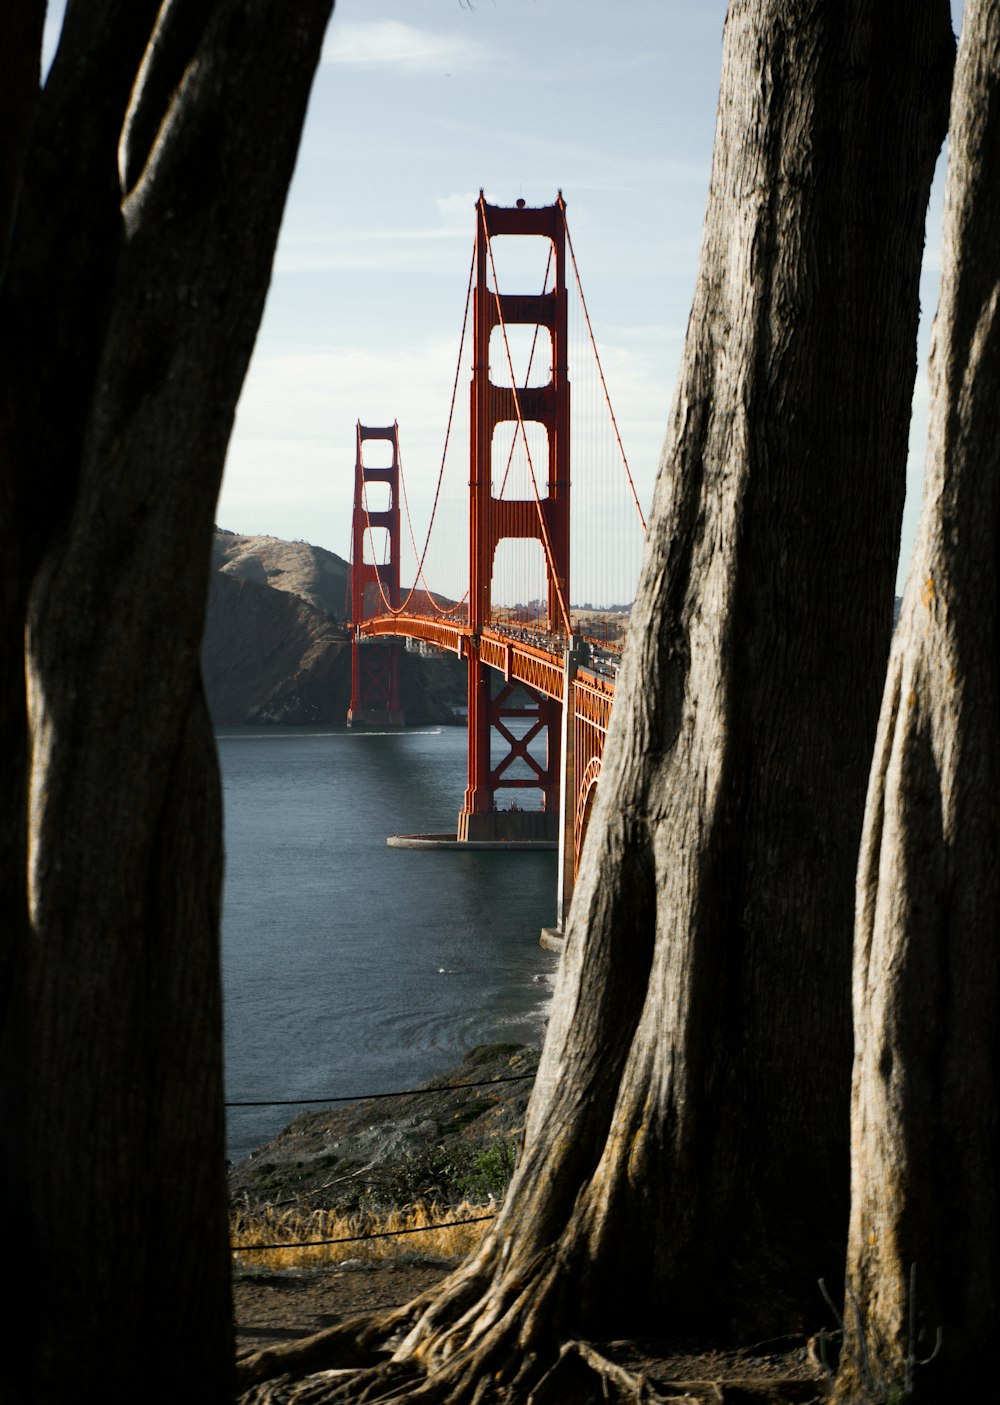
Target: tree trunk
(128, 315)
(686, 1160)
(926, 1101)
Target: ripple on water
(350, 967)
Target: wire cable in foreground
(358, 1238)
(366, 1097)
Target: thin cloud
(371, 251)
(395, 44)
(458, 211)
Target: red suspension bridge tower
(375, 698)
(493, 519)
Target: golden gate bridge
(541, 669)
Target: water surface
(350, 967)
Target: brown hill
(274, 649)
(314, 574)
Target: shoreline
(440, 1143)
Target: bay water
(350, 967)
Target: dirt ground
(280, 1307)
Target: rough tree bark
(926, 1101)
(686, 1161)
(131, 287)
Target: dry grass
(293, 1227)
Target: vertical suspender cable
(593, 343)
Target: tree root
(480, 1338)
(581, 1375)
(360, 1386)
(479, 1344)
(492, 1334)
(348, 1346)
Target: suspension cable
(422, 556)
(444, 451)
(600, 370)
(401, 609)
(419, 576)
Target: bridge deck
(519, 660)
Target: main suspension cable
(421, 557)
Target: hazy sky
(418, 104)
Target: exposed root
(581, 1373)
(505, 1350)
(492, 1343)
(385, 1382)
(481, 1340)
(346, 1347)
(580, 1376)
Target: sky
(417, 105)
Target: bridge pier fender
(374, 717)
(505, 826)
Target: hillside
(315, 575)
(275, 650)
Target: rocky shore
(447, 1143)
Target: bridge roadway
(543, 669)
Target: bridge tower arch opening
(516, 401)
